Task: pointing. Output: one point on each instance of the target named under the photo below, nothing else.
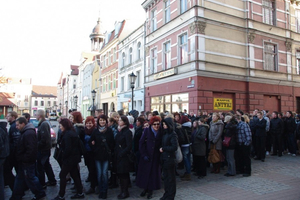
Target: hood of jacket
(187, 124)
(3, 125)
(27, 127)
(170, 123)
(79, 124)
(216, 123)
(204, 125)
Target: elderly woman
(215, 138)
(123, 141)
(148, 176)
(230, 131)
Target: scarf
(101, 129)
(89, 131)
(121, 127)
(155, 132)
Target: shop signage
(222, 104)
(164, 74)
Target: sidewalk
(276, 178)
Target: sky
(39, 39)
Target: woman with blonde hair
(215, 138)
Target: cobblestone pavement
(276, 178)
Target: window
(104, 85)
(42, 103)
(104, 61)
(128, 82)
(297, 13)
(183, 6)
(35, 103)
(26, 98)
(172, 103)
(270, 59)
(114, 81)
(153, 20)
(109, 81)
(167, 55)
(122, 84)
(268, 7)
(298, 61)
(109, 58)
(153, 61)
(167, 11)
(115, 55)
(123, 59)
(49, 103)
(130, 55)
(138, 79)
(183, 49)
(139, 51)
(54, 103)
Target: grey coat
(215, 133)
(199, 146)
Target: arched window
(130, 55)
(123, 59)
(139, 51)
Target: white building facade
(131, 60)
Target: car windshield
(35, 122)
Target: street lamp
(66, 103)
(75, 102)
(132, 81)
(93, 96)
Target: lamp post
(66, 103)
(93, 96)
(60, 107)
(132, 82)
(75, 102)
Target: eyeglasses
(156, 124)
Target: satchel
(57, 153)
(178, 154)
(213, 156)
(226, 141)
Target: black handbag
(57, 153)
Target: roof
(74, 70)
(45, 91)
(60, 78)
(4, 101)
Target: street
(276, 178)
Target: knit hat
(134, 114)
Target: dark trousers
(291, 140)
(243, 160)
(277, 144)
(90, 163)
(200, 165)
(44, 166)
(75, 174)
(9, 164)
(268, 142)
(1, 179)
(261, 147)
(169, 182)
(26, 173)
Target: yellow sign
(164, 74)
(222, 104)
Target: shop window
(172, 103)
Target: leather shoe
(143, 193)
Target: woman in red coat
(149, 171)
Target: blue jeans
(1, 179)
(26, 173)
(186, 159)
(102, 174)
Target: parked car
(35, 122)
(52, 116)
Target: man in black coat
(260, 137)
(11, 161)
(290, 127)
(44, 151)
(4, 152)
(276, 130)
(26, 157)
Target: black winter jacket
(260, 128)
(289, 125)
(137, 136)
(44, 136)
(4, 141)
(14, 136)
(70, 148)
(104, 144)
(276, 126)
(27, 145)
(231, 131)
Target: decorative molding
(251, 37)
(288, 45)
(198, 27)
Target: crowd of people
(114, 145)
